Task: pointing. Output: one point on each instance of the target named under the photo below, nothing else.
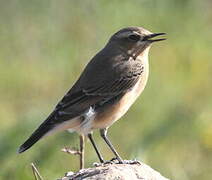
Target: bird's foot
(120, 161)
(97, 164)
(116, 161)
(132, 162)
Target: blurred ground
(44, 45)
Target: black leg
(82, 146)
(103, 133)
(95, 147)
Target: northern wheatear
(108, 86)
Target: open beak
(150, 36)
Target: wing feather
(75, 102)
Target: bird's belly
(114, 112)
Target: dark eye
(134, 37)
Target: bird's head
(134, 40)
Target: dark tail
(42, 130)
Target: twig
(36, 173)
(72, 151)
(81, 155)
(79, 152)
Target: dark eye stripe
(134, 37)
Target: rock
(133, 171)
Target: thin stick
(36, 173)
(72, 151)
(77, 152)
(82, 152)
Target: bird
(108, 86)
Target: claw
(132, 162)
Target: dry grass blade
(36, 173)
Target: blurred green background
(44, 45)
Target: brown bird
(108, 86)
